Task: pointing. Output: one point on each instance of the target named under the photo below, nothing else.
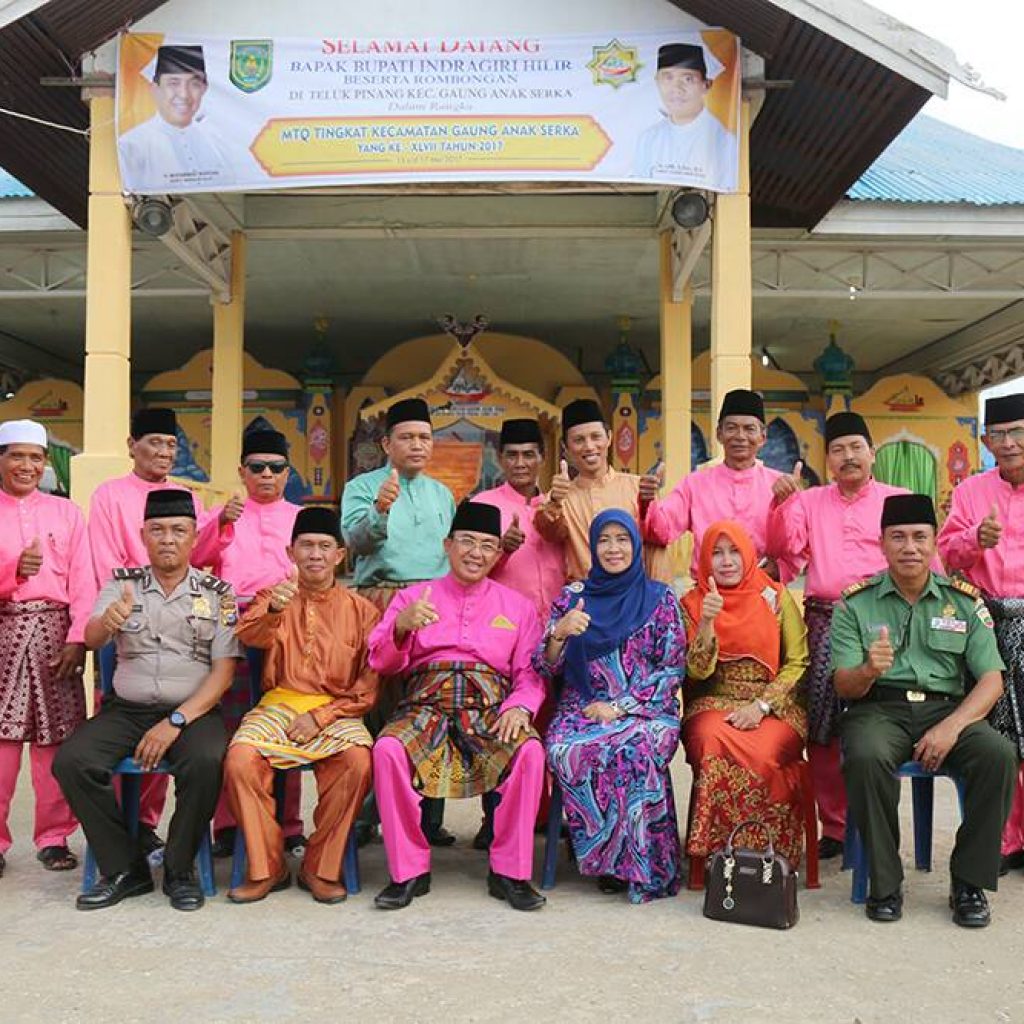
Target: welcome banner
(203, 115)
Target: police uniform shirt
(947, 630)
(166, 647)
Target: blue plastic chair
(922, 790)
(552, 835)
(131, 774)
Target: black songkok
(317, 519)
(682, 55)
(408, 410)
(846, 424)
(1006, 409)
(169, 502)
(154, 421)
(742, 403)
(477, 517)
(264, 442)
(179, 60)
(583, 410)
(520, 432)
(908, 509)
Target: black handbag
(751, 886)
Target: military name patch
(949, 625)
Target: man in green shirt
(395, 520)
(903, 643)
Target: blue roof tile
(11, 188)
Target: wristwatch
(766, 708)
(177, 719)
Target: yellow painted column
(731, 303)
(107, 405)
(228, 361)
(676, 374)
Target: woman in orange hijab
(744, 723)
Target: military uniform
(165, 651)
(938, 641)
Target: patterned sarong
(34, 708)
(266, 729)
(446, 722)
(1007, 716)
(822, 699)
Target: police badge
(251, 63)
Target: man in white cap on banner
(47, 589)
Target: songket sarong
(822, 699)
(34, 708)
(446, 723)
(266, 729)
(1007, 716)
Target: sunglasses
(257, 467)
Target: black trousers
(877, 738)
(84, 767)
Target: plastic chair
(130, 774)
(240, 860)
(698, 866)
(922, 792)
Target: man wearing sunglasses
(983, 538)
(253, 555)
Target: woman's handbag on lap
(751, 886)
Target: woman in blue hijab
(619, 641)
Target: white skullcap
(23, 432)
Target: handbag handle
(742, 825)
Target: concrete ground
(458, 955)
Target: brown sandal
(57, 858)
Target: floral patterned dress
(614, 777)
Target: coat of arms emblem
(251, 63)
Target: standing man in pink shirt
(46, 592)
(834, 529)
(983, 538)
(116, 514)
(251, 556)
(738, 488)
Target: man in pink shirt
(738, 488)
(983, 538)
(463, 645)
(46, 593)
(253, 555)
(115, 538)
(834, 529)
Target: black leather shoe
(969, 905)
(366, 833)
(886, 909)
(440, 836)
(483, 839)
(109, 891)
(519, 895)
(398, 895)
(183, 891)
(828, 848)
(611, 885)
(1009, 861)
(224, 842)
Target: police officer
(176, 650)
(902, 644)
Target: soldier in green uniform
(176, 650)
(903, 643)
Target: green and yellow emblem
(251, 63)
(614, 64)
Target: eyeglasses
(257, 467)
(1014, 434)
(485, 547)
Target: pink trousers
(399, 804)
(829, 788)
(1013, 830)
(54, 820)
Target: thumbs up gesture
(118, 612)
(31, 560)
(713, 602)
(990, 529)
(282, 593)
(512, 539)
(881, 654)
(416, 615)
(650, 483)
(232, 510)
(574, 622)
(788, 484)
(388, 493)
(560, 484)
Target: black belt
(898, 693)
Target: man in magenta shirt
(738, 488)
(463, 646)
(983, 538)
(834, 529)
(251, 555)
(46, 593)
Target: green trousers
(877, 737)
